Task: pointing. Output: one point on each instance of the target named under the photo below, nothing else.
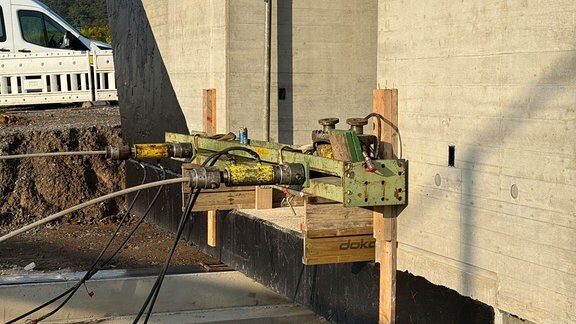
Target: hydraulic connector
(248, 175)
(149, 151)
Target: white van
(28, 26)
(44, 59)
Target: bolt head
(328, 121)
(357, 121)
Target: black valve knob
(328, 123)
(357, 124)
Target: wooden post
(263, 198)
(209, 126)
(209, 111)
(386, 103)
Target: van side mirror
(66, 40)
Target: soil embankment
(35, 188)
(31, 189)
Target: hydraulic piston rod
(149, 151)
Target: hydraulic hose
(92, 202)
(41, 155)
(93, 269)
(95, 266)
(151, 299)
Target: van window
(2, 26)
(39, 29)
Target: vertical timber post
(385, 103)
(209, 126)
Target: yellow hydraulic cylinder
(264, 174)
(242, 175)
(151, 151)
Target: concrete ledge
(276, 314)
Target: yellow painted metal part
(325, 150)
(151, 151)
(250, 174)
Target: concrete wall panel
(323, 54)
(495, 79)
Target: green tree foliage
(89, 16)
(101, 33)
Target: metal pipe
(92, 202)
(267, 67)
(38, 155)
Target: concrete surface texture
(208, 297)
(496, 80)
(324, 56)
(323, 62)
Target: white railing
(56, 77)
(104, 77)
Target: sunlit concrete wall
(496, 80)
(323, 57)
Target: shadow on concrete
(540, 93)
(285, 73)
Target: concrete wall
(496, 79)
(325, 52)
(145, 92)
(323, 55)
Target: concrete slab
(203, 294)
(277, 314)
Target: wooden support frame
(385, 103)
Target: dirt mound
(35, 188)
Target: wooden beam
(385, 102)
(338, 249)
(209, 126)
(336, 234)
(326, 218)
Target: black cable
(153, 295)
(377, 148)
(93, 269)
(95, 263)
(218, 154)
